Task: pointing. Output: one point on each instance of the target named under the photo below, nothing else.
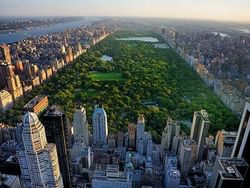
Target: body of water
(21, 35)
(106, 58)
(221, 34)
(143, 39)
(245, 31)
(161, 45)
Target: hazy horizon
(214, 10)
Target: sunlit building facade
(37, 158)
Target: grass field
(103, 76)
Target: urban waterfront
(21, 35)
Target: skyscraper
(131, 135)
(5, 50)
(6, 100)
(38, 159)
(80, 125)
(6, 71)
(229, 172)
(149, 145)
(19, 66)
(100, 126)
(140, 128)
(186, 157)
(171, 173)
(140, 146)
(57, 129)
(199, 131)
(79, 47)
(171, 130)
(225, 142)
(120, 139)
(70, 53)
(15, 87)
(242, 143)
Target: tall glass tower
(100, 126)
(37, 158)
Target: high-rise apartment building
(187, 156)
(19, 66)
(6, 71)
(42, 75)
(27, 70)
(140, 128)
(7, 133)
(49, 72)
(15, 87)
(6, 100)
(120, 139)
(199, 131)
(243, 140)
(58, 131)
(5, 50)
(100, 126)
(171, 130)
(224, 142)
(229, 172)
(70, 53)
(171, 173)
(132, 135)
(37, 158)
(149, 145)
(79, 47)
(34, 70)
(111, 141)
(35, 81)
(80, 125)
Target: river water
(143, 39)
(23, 34)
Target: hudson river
(23, 34)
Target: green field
(106, 76)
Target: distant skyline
(220, 10)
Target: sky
(221, 10)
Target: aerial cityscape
(124, 94)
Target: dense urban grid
(129, 140)
(221, 60)
(36, 59)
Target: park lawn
(106, 76)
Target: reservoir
(142, 39)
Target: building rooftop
(34, 101)
(204, 115)
(30, 118)
(54, 110)
(7, 180)
(229, 168)
(173, 172)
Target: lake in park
(106, 58)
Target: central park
(142, 78)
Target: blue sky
(232, 10)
